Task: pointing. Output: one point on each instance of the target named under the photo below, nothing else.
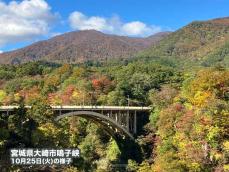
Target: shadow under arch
(99, 119)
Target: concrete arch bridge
(125, 121)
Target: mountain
(81, 46)
(203, 41)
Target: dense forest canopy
(188, 128)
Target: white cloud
(113, 25)
(138, 28)
(25, 20)
(81, 22)
(1, 51)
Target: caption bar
(43, 156)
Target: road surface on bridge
(133, 108)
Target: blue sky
(27, 21)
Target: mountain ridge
(80, 46)
(206, 42)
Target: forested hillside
(188, 128)
(203, 42)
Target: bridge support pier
(128, 121)
(135, 122)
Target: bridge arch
(98, 118)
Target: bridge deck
(132, 108)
